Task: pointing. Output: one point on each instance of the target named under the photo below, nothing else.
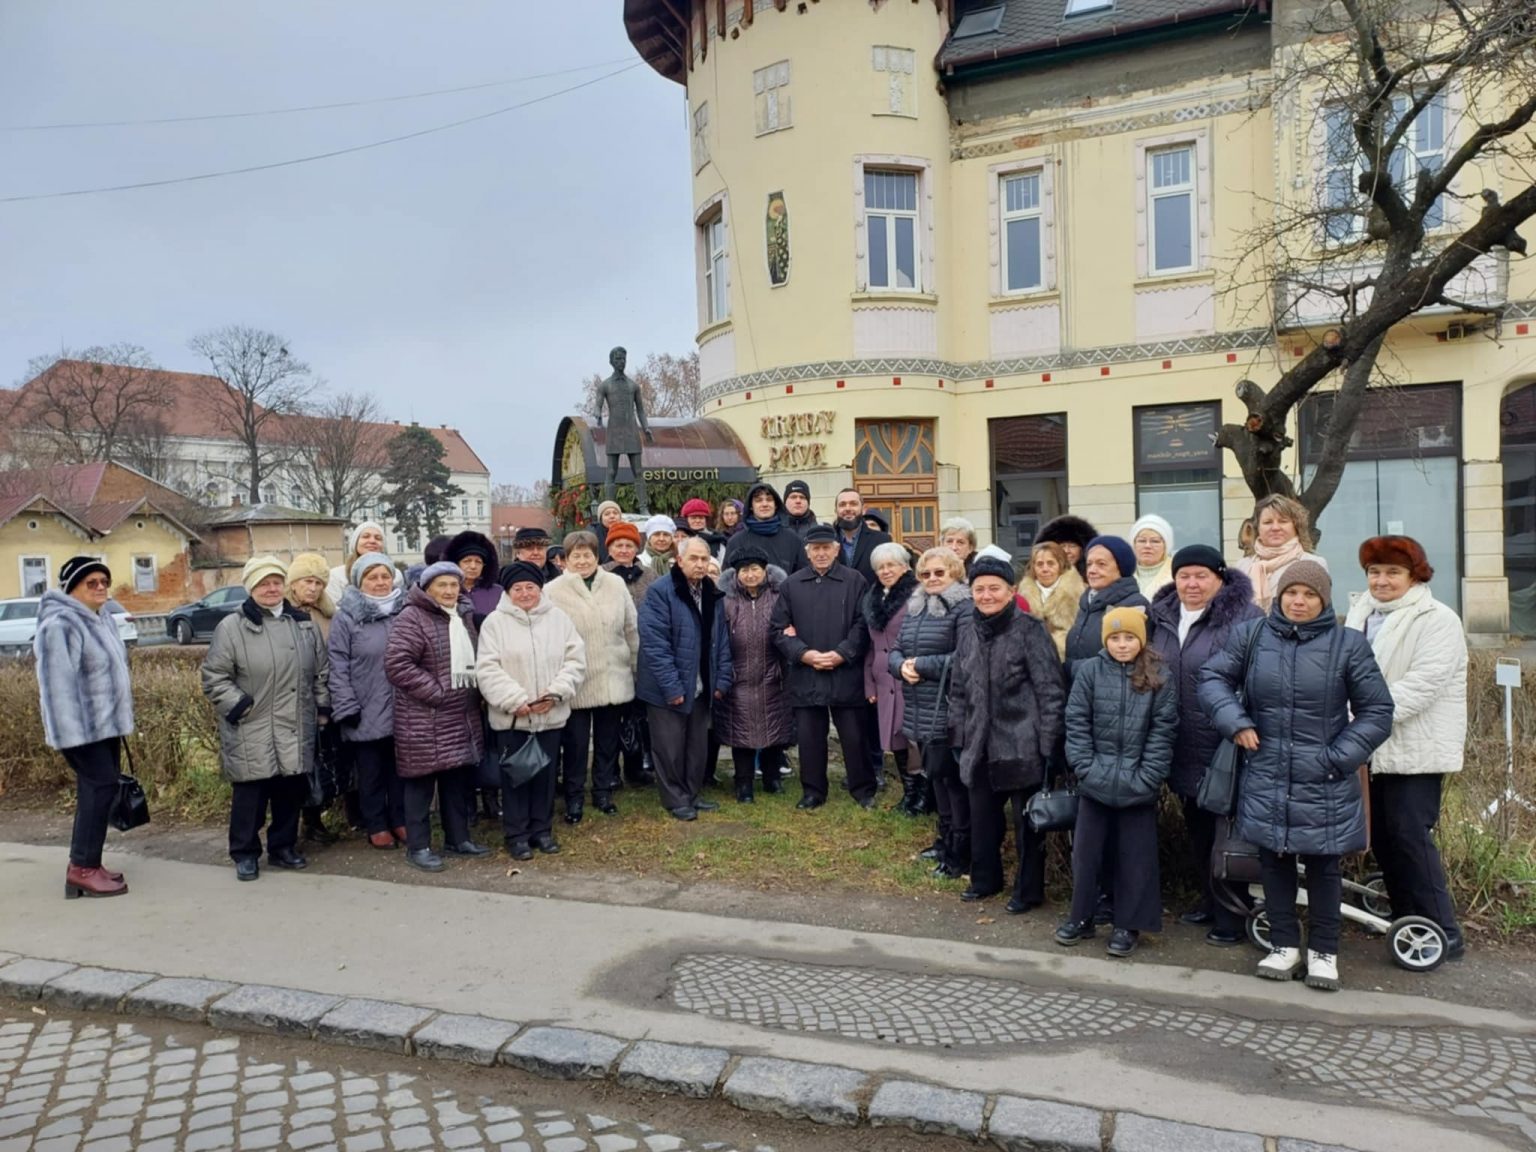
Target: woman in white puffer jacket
(1422, 650)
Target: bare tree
(84, 402)
(537, 495)
(145, 444)
(1371, 89)
(266, 384)
(339, 451)
(669, 385)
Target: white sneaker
(1322, 971)
(1280, 964)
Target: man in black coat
(858, 540)
(797, 507)
(820, 631)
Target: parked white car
(18, 624)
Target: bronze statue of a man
(626, 421)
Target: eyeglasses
(931, 572)
(97, 583)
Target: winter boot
(1322, 971)
(921, 803)
(1280, 964)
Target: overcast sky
(471, 277)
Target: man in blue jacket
(684, 666)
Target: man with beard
(858, 540)
(797, 507)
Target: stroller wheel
(1376, 901)
(1258, 929)
(1417, 943)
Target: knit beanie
(657, 524)
(308, 565)
(624, 530)
(1124, 554)
(605, 505)
(77, 568)
(1199, 556)
(696, 507)
(1158, 525)
(519, 572)
(992, 566)
(442, 568)
(799, 486)
(1404, 551)
(1125, 619)
(258, 568)
(366, 561)
(749, 556)
(1313, 575)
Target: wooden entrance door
(894, 466)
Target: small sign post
(1506, 674)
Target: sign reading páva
(794, 455)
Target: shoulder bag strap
(933, 723)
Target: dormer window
(980, 22)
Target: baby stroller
(1415, 943)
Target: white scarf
(1387, 644)
(1045, 593)
(461, 650)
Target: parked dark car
(197, 621)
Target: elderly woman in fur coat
(603, 613)
(754, 719)
(1190, 622)
(87, 705)
(1053, 589)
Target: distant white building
(202, 460)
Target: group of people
(1118, 660)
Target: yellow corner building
(979, 259)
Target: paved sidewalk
(1357, 1069)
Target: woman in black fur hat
(1073, 534)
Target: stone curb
(824, 1093)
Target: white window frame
(21, 570)
(771, 106)
(1199, 141)
(1357, 207)
(997, 176)
(153, 570)
(922, 233)
(479, 508)
(714, 260)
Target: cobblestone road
(1472, 1074)
(68, 1085)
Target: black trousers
(1201, 827)
(453, 791)
(380, 794)
(1133, 834)
(634, 758)
(811, 733)
(953, 801)
(529, 809)
(1325, 892)
(744, 763)
(872, 740)
(1404, 812)
(989, 824)
(679, 746)
(597, 729)
(284, 795)
(97, 767)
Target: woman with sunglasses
(82, 676)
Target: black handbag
(1218, 787)
(1232, 859)
(130, 807)
(527, 761)
(1053, 809)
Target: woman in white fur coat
(601, 608)
(1422, 650)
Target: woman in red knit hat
(1422, 650)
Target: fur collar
(942, 603)
(881, 605)
(731, 590)
(680, 586)
(1227, 607)
(258, 615)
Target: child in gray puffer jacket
(1122, 717)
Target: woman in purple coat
(430, 660)
(754, 720)
(884, 608)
